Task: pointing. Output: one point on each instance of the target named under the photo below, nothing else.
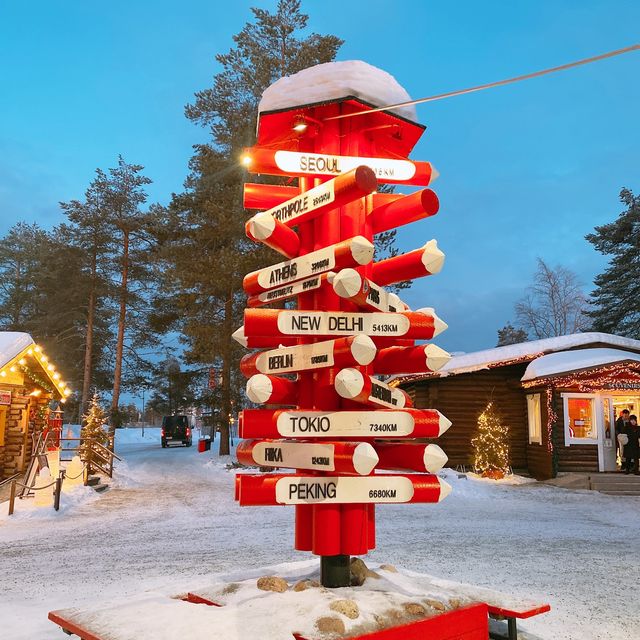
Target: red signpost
(320, 359)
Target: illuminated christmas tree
(491, 445)
(94, 421)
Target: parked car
(175, 429)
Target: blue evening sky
(526, 170)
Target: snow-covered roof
(16, 344)
(335, 80)
(523, 351)
(12, 343)
(567, 361)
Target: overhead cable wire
(490, 85)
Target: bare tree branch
(554, 305)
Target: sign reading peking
(378, 489)
(338, 424)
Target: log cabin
(559, 397)
(29, 384)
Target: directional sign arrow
(384, 423)
(289, 290)
(410, 457)
(423, 324)
(354, 251)
(263, 389)
(343, 352)
(354, 184)
(426, 261)
(293, 163)
(358, 458)
(420, 359)
(364, 293)
(405, 210)
(352, 384)
(274, 489)
(270, 196)
(273, 233)
(279, 340)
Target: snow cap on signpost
(335, 81)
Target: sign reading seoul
(331, 421)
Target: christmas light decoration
(491, 445)
(94, 420)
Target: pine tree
(510, 335)
(92, 236)
(203, 241)
(93, 426)
(618, 288)
(20, 266)
(491, 445)
(124, 196)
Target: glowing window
(579, 417)
(535, 419)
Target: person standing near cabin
(632, 448)
(621, 423)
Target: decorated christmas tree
(491, 445)
(93, 427)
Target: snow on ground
(169, 524)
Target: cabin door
(607, 436)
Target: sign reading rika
(294, 455)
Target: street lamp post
(143, 418)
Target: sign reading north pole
(338, 429)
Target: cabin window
(535, 418)
(3, 422)
(579, 420)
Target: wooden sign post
(337, 424)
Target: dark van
(175, 429)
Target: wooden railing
(95, 455)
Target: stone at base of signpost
(335, 571)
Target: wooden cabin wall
(15, 455)
(462, 399)
(12, 454)
(539, 458)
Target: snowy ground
(170, 523)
